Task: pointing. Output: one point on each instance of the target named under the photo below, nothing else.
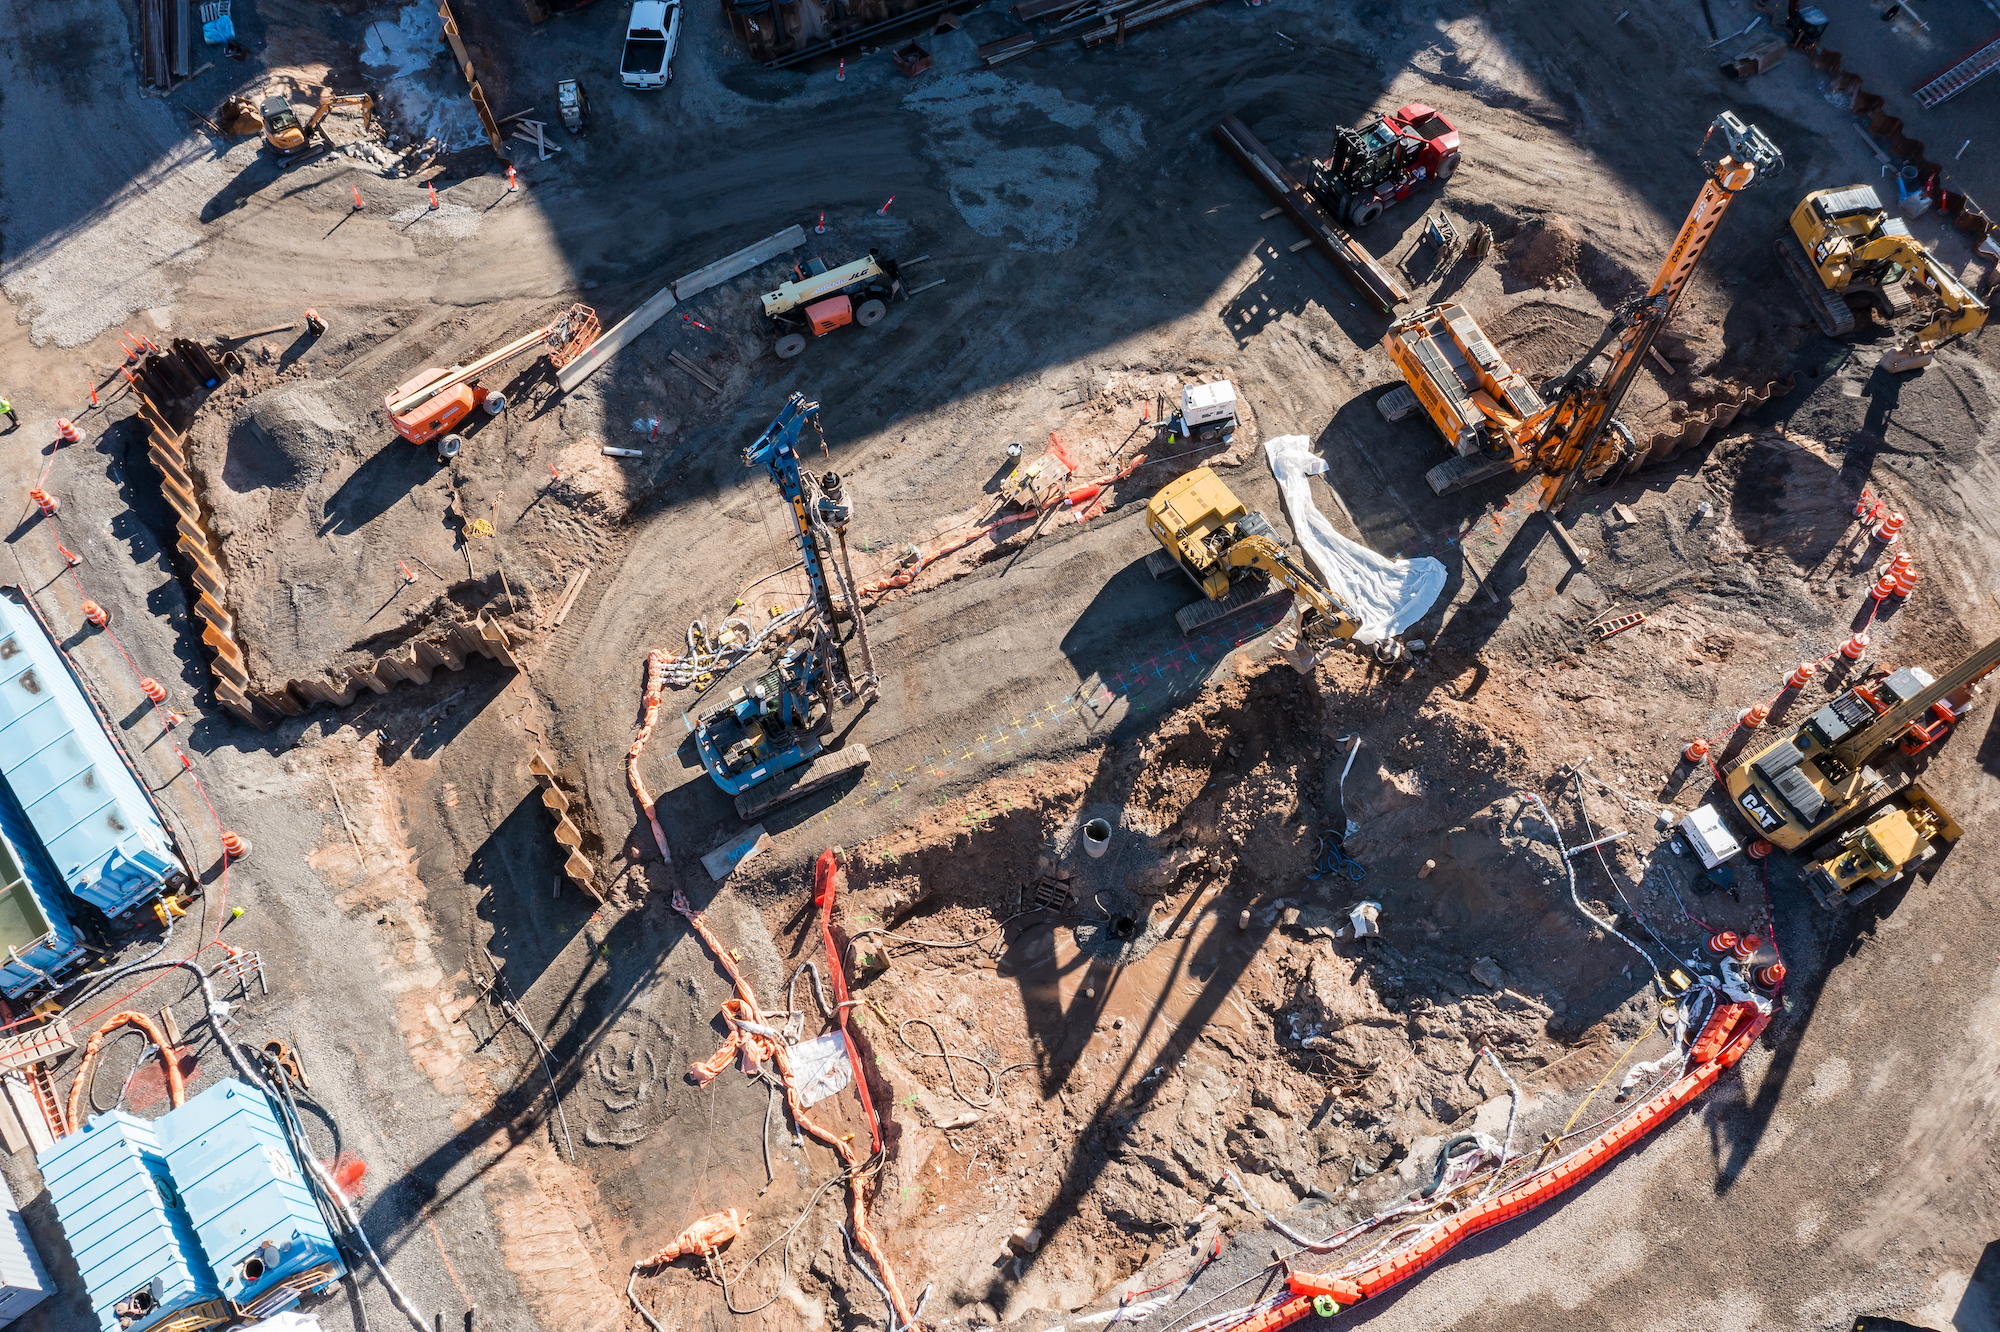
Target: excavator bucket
(1293, 647)
(1898, 359)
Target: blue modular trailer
(90, 813)
(24, 1282)
(132, 1239)
(246, 1190)
(35, 930)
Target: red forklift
(1383, 162)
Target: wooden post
(1121, 27)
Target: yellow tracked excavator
(1235, 558)
(1495, 421)
(1845, 254)
(1803, 788)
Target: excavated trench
(1099, 1036)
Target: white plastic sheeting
(1388, 594)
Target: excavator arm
(1324, 613)
(1959, 312)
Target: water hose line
(1569, 869)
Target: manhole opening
(1124, 927)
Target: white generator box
(1709, 836)
(1205, 404)
(24, 1283)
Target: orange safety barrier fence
(826, 872)
(776, 1050)
(1726, 1038)
(656, 673)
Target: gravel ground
(1096, 247)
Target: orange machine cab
(829, 314)
(433, 418)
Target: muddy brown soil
(1116, 1030)
(1096, 1090)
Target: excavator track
(1458, 473)
(1245, 594)
(1830, 311)
(799, 782)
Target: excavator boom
(1959, 313)
(1257, 552)
(1843, 251)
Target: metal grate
(1440, 371)
(1961, 76)
(1525, 400)
(1847, 203)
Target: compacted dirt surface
(1141, 1079)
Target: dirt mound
(284, 439)
(1546, 253)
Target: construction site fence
(1729, 1034)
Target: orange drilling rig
(1496, 422)
(423, 408)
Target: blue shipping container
(246, 1191)
(132, 1239)
(92, 816)
(34, 927)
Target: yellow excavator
(1495, 421)
(1802, 788)
(1845, 254)
(1234, 557)
(1903, 835)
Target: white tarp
(1389, 595)
(821, 1067)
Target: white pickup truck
(651, 35)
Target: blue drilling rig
(766, 743)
